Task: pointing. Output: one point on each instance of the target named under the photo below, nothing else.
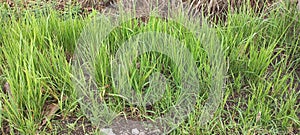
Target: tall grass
(36, 68)
(262, 51)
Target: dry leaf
(258, 116)
(6, 89)
(50, 110)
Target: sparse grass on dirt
(261, 95)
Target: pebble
(156, 131)
(135, 131)
(142, 133)
(107, 131)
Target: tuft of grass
(261, 94)
(34, 48)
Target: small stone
(142, 133)
(156, 131)
(135, 131)
(107, 131)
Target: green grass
(261, 95)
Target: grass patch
(261, 94)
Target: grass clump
(35, 66)
(261, 94)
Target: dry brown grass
(213, 7)
(216, 10)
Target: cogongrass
(262, 53)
